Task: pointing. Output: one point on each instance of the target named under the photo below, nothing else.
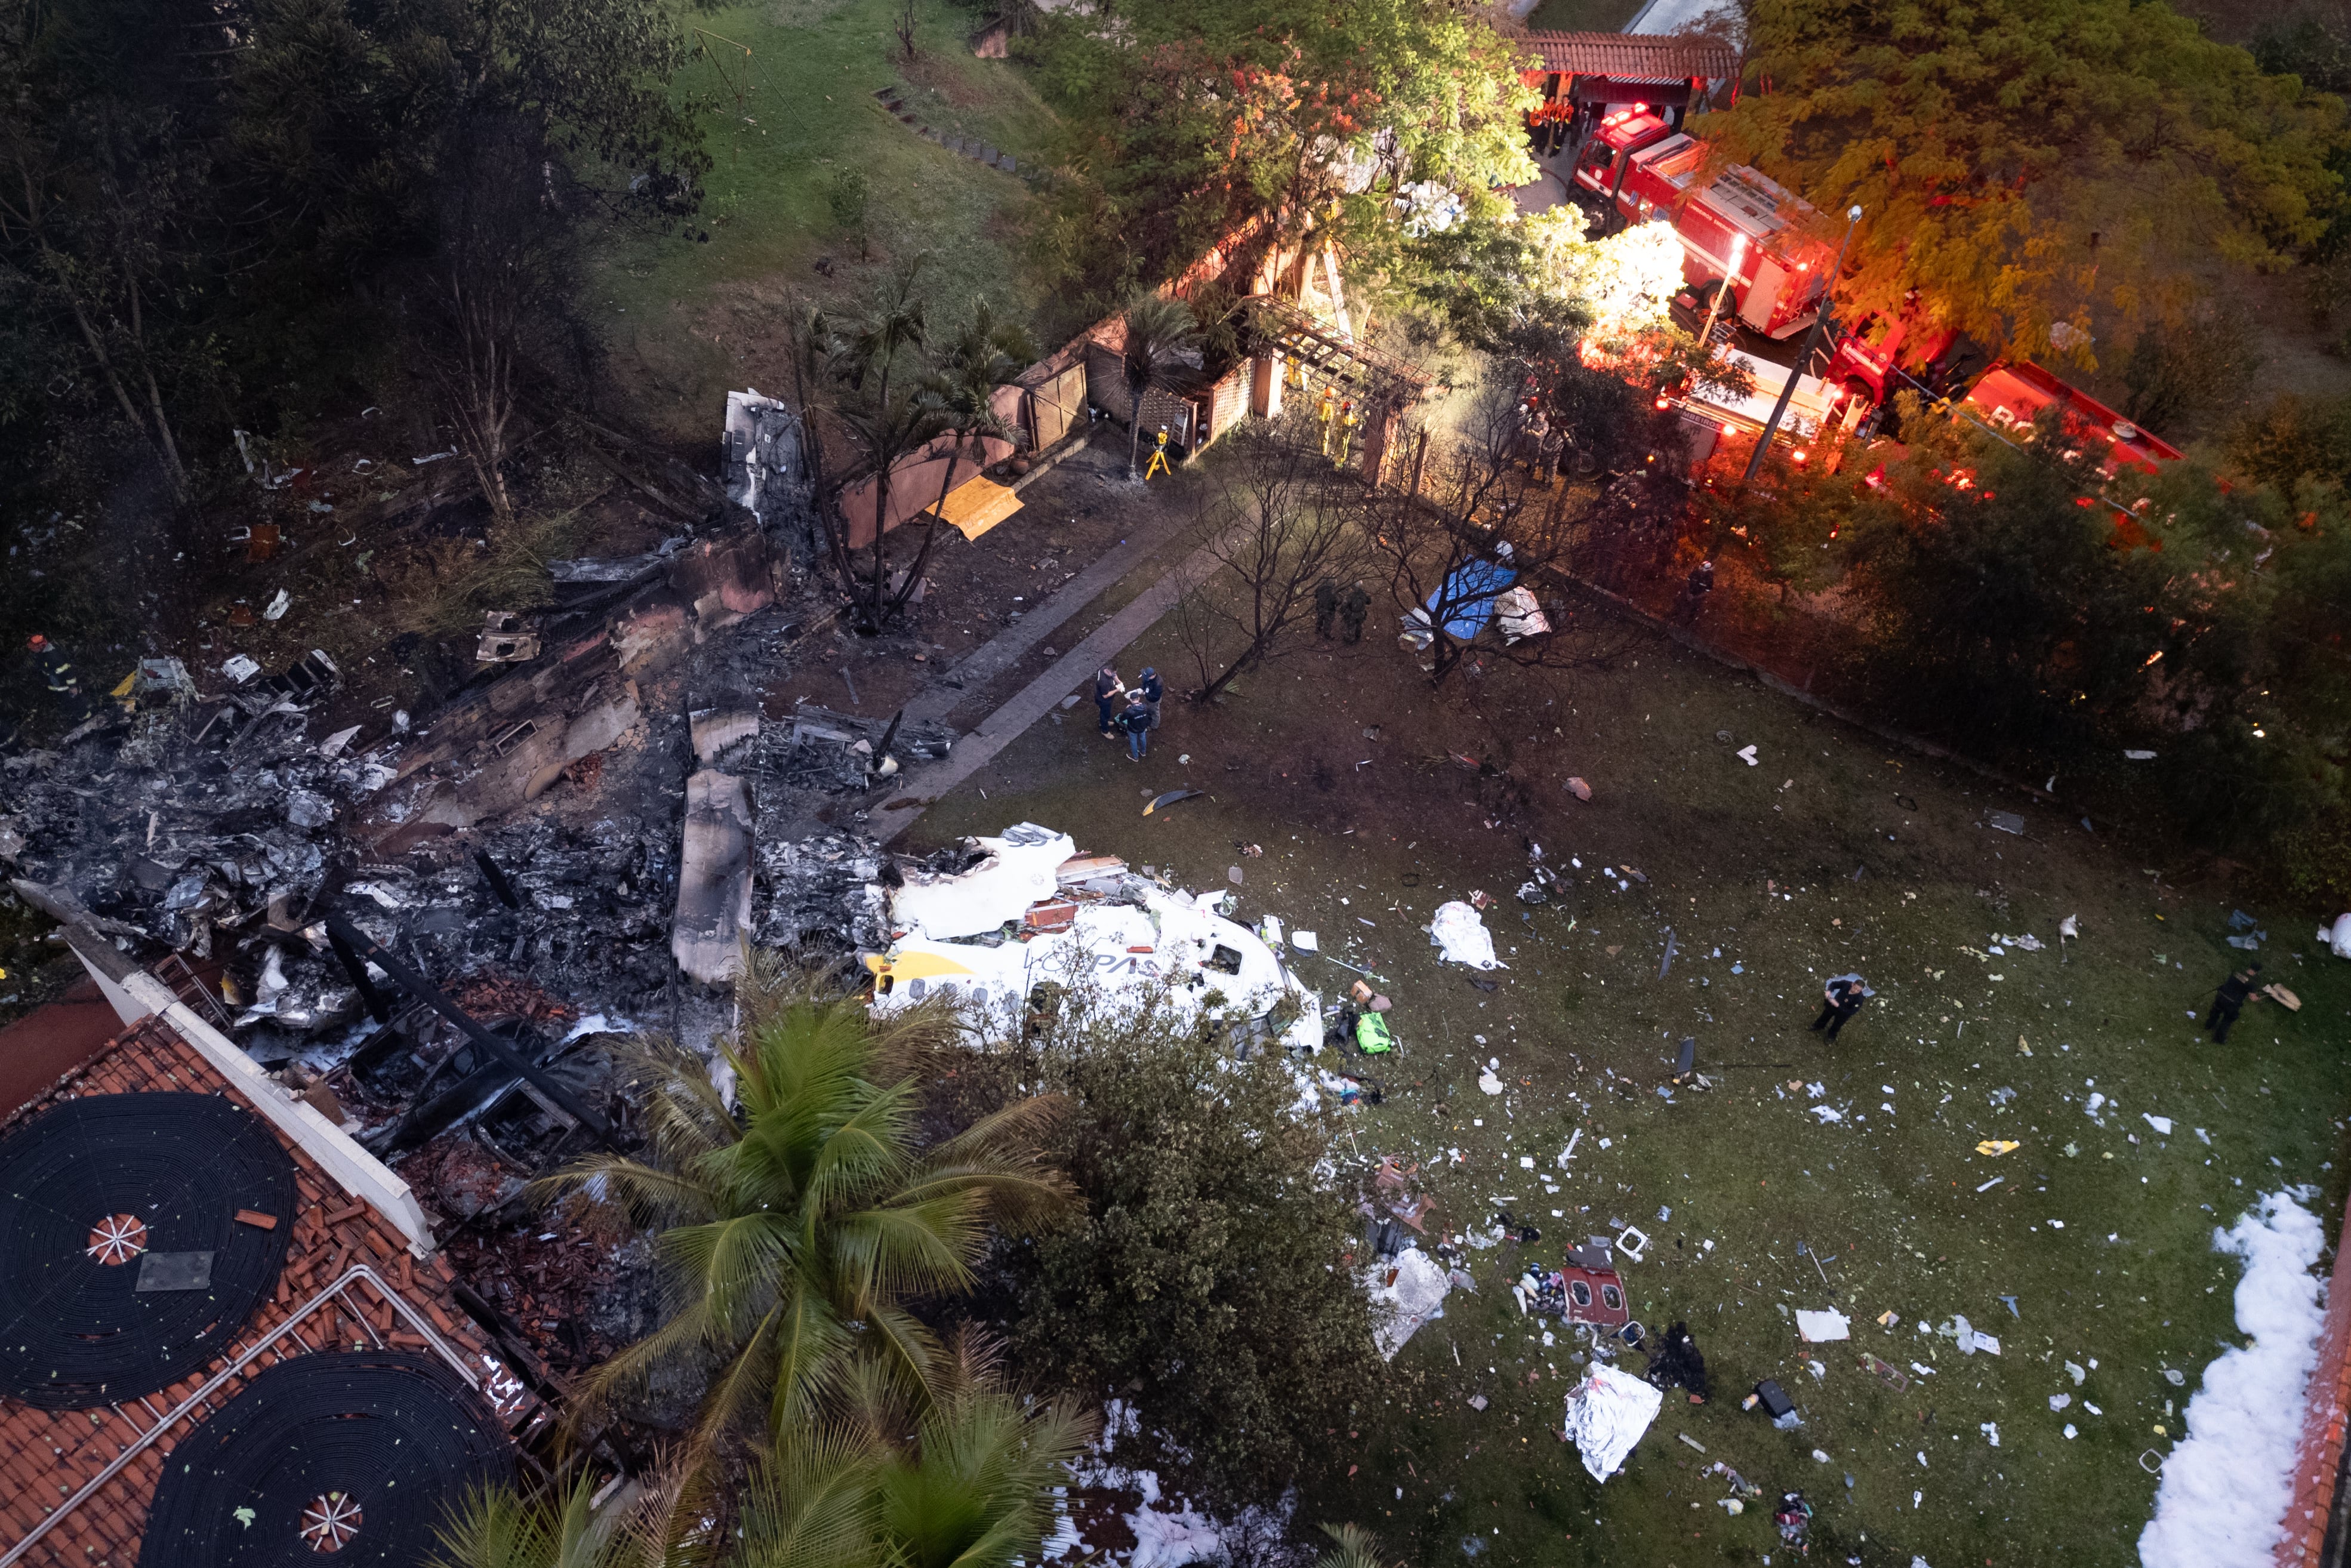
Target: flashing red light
(1665, 403)
(1640, 108)
(1801, 455)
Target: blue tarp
(1467, 598)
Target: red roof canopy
(1634, 57)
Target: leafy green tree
(2040, 172)
(1199, 116)
(1160, 335)
(798, 1217)
(1208, 1282)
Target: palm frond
(1352, 1548)
(812, 1504)
(909, 1248)
(731, 1267)
(809, 1345)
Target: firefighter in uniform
(64, 681)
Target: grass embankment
(686, 320)
(1754, 870)
(1581, 16)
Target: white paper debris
(277, 606)
(1747, 755)
(1305, 942)
(1818, 1327)
(2161, 1124)
(240, 668)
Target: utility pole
(1811, 337)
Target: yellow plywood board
(977, 505)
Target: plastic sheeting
(1406, 1291)
(1462, 933)
(2337, 936)
(1606, 1416)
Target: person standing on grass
(1108, 689)
(1152, 690)
(1840, 1000)
(1326, 606)
(2229, 1000)
(1136, 722)
(1351, 611)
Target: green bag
(1372, 1036)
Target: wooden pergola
(1368, 374)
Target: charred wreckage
(438, 933)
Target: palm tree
(1352, 1547)
(1158, 331)
(797, 1222)
(985, 355)
(813, 344)
(889, 420)
(971, 1488)
(665, 1526)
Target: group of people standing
(1138, 717)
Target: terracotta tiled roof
(47, 1456)
(1634, 57)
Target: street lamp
(1796, 371)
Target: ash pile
(825, 752)
(195, 821)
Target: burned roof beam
(501, 1052)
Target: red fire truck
(1741, 227)
(1745, 228)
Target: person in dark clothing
(1840, 1000)
(58, 673)
(1326, 606)
(2229, 1000)
(1351, 611)
(1136, 722)
(56, 668)
(1152, 690)
(1699, 583)
(1108, 689)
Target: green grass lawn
(1581, 16)
(685, 321)
(1754, 870)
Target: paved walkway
(1040, 696)
(984, 663)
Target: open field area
(685, 321)
(1833, 854)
